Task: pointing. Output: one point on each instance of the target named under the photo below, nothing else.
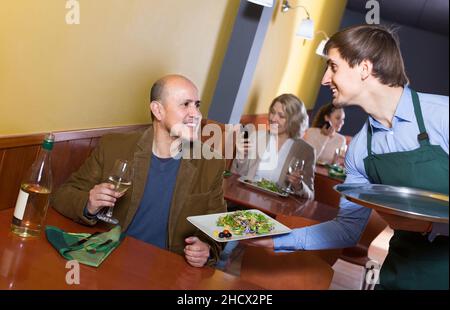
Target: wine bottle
(32, 201)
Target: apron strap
(369, 138)
(422, 136)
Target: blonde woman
(287, 122)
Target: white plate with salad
(238, 225)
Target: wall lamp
(306, 27)
(267, 3)
(320, 47)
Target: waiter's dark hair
(375, 43)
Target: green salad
(245, 222)
(272, 186)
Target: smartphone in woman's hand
(245, 140)
(245, 134)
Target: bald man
(166, 188)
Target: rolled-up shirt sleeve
(341, 232)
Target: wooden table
(241, 194)
(323, 187)
(300, 270)
(35, 264)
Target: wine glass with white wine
(339, 156)
(120, 177)
(295, 165)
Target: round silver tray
(403, 201)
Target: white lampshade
(320, 47)
(268, 3)
(306, 29)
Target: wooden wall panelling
(20, 140)
(95, 133)
(79, 151)
(67, 157)
(60, 161)
(93, 144)
(17, 153)
(255, 119)
(2, 154)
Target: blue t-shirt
(151, 219)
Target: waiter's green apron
(413, 262)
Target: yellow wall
(287, 64)
(55, 76)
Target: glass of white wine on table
(295, 165)
(120, 177)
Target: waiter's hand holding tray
(404, 202)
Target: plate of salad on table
(264, 185)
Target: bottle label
(21, 204)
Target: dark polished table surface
(35, 264)
(324, 184)
(300, 270)
(245, 196)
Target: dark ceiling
(430, 15)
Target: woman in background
(324, 133)
(287, 122)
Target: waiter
(403, 143)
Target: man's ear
(365, 68)
(157, 109)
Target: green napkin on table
(88, 249)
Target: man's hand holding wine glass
(106, 194)
(102, 195)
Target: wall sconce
(268, 3)
(320, 47)
(306, 27)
